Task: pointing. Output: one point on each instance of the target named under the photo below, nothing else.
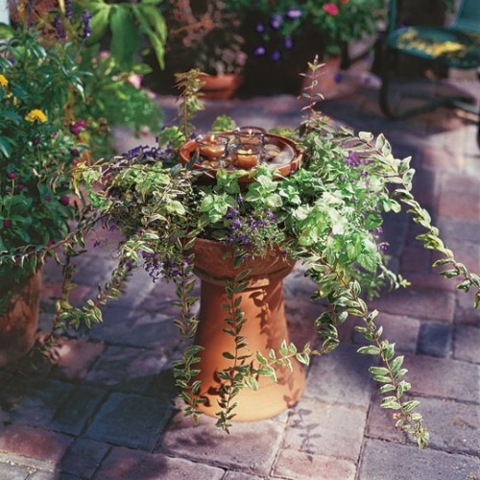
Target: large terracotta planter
(18, 325)
(265, 329)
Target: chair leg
(463, 102)
(478, 131)
(385, 86)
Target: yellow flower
(14, 99)
(36, 115)
(3, 81)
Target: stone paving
(107, 409)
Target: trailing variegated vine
(327, 215)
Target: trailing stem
(233, 378)
(345, 299)
(244, 373)
(184, 370)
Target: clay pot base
(19, 325)
(271, 398)
(265, 329)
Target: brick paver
(108, 410)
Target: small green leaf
(391, 403)
(379, 370)
(369, 350)
(410, 405)
(386, 388)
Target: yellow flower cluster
(3, 81)
(36, 115)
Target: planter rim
(214, 263)
(281, 171)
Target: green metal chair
(456, 45)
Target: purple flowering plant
(327, 215)
(282, 29)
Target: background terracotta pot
(327, 78)
(220, 87)
(265, 329)
(18, 325)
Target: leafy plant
(121, 27)
(280, 30)
(114, 97)
(327, 214)
(40, 143)
(204, 35)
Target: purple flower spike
(69, 12)
(87, 29)
(59, 30)
(352, 160)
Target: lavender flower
(288, 42)
(69, 12)
(276, 21)
(383, 247)
(276, 55)
(87, 29)
(260, 51)
(294, 13)
(260, 28)
(352, 160)
(59, 30)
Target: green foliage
(124, 24)
(326, 215)
(39, 81)
(281, 29)
(114, 97)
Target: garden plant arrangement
(283, 36)
(326, 214)
(205, 35)
(58, 102)
(112, 78)
(112, 88)
(40, 143)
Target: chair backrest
(468, 16)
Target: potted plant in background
(326, 214)
(60, 100)
(113, 91)
(40, 143)
(114, 94)
(205, 35)
(282, 36)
